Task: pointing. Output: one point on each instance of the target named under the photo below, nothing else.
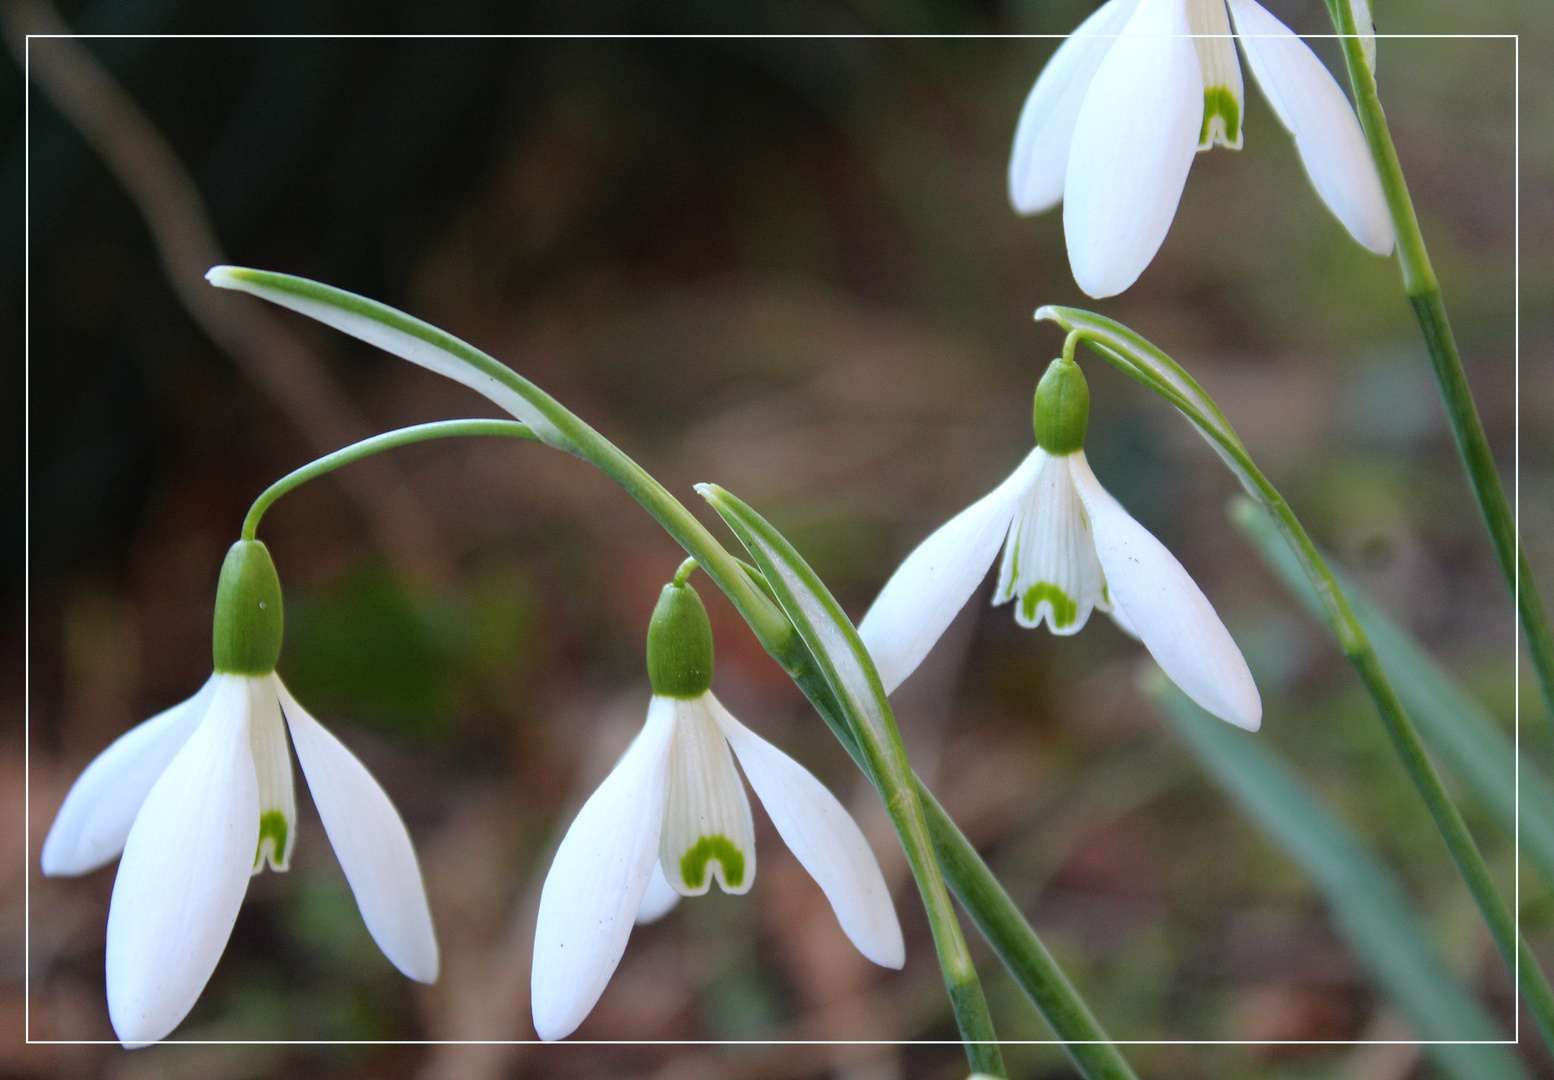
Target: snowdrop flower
(1112, 124)
(199, 797)
(1069, 549)
(672, 816)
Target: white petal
(825, 840)
(272, 769)
(597, 881)
(91, 825)
(707, 828)
(1133, 144)
(184, 872)
(659, 900)
(1049, 559)
(1046, 127)
(370, 841)
(923, 596)
(1223, 95)
(1167, 610)
(1327, 133)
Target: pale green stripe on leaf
(1366, 901)
(1458, 728)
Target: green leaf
(403, 335)
(822, 624)
(1366, 901)
(1457, 727)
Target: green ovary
(693, 864)
(272, 827)
(1219, 101)
(1064, 610)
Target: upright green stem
(1424, 296)
(1117, 344)
(440, 429)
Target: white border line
(27, 556)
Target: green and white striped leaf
(1458, 728)
(1367, 903)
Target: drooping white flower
(1069, 549)
(1113, 122)
(672, 816)
(200, 797)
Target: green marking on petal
(1064, 610)
(693, 864)
(272, 827)
(1221, 118)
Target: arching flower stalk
(200, 797)
(1069, 549)
(672, 817)
(1111, 127)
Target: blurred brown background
(787, 266)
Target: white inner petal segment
(184, 872)
(659, 900)
(1223, 95)
(272, 768)
(91, 825)
(707, 827)
(1050, 568)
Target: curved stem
(1115, 342)
(1424, 296)
(440, 429)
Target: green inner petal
(693, 864)
(1219, 103)
(272, 827)
(1064, 609)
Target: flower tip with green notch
(672, 817)
(1069, 549)
(199, 798)
(1111, 127)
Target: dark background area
(787, 266)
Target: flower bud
(1062, 408)
(679, 644)
(246, 637)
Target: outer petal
(1167, 610)
(923, 596)
(184, 872)
(825, 840)
(597, 881)
(659, 900)
(96, 816)
(1046, 127)
(369, 840)
(1133, 144)
(1327, 134)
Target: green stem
(967, 874)
(1424, 296)
(440, 429)
(1115, 342)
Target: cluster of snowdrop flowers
(672, 816)
(1069, 549)
(200, 797)
(1112, 124)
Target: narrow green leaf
(404, 335)
(1367, 903)
(1458, 728)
